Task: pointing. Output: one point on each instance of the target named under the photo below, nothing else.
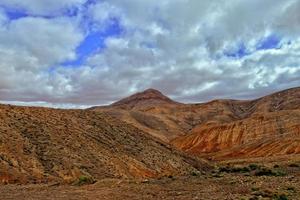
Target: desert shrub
(276, 166)
(228, 169)
(268, 172)
(293, 165)
(194, 173)
(280, 173)
(253, 166)
(245, 169)
(255, 189)
(84, 180)
(269, 194)
(217, 175)
(264, 172)
(280, 197)
(171, 177)
(291, 189)
(253, 198)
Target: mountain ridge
(147, 97)
(145, 135)
(219, 121)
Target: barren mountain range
(219, 129)
(144, 135)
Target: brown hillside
(150, 111)
(40, 144)
(264, 127)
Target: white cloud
(176, 46)
(35, 43)
(28, 48)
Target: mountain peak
(148, 97)
(151, 90)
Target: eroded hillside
(266, 126)
(41, 145)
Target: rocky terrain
(271, 181)
(42, 145)
(269, 126)
(148, 146)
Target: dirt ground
(216, 186)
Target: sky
(79, 53)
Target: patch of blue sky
(71, 12)
(238, 52)
(149, 45)
(94, 42)
(270, 42)
(14, 14)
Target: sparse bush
(276, 166)
(281, 197)
(229, 169)
(265, 193)
(84, 180)
(226, 169)
(254, 189)
(269, 194)
(194, 173)
(171, 177)
(291, 189)
(268, 172)
(280, 173)
(253, 166)
(293, 165)
(217, 175)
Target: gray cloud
(176, 46)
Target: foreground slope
(41, 145)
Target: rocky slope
(267, 126)
(42, 145)
(149, 111)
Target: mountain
(149, 111)
(146, 98)
(42, 145)
(267, 126)
(137, 137)
(220, 129)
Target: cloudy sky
(88, 52)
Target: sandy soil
(210, 186)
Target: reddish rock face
(220, 128)
(268, 126)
